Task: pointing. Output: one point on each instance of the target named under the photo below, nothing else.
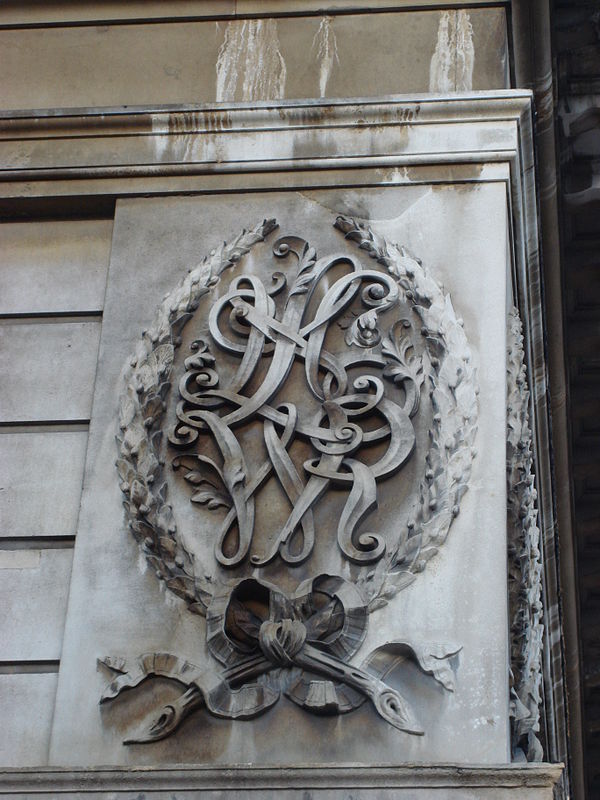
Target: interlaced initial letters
(336, 432)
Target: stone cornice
(169, 146)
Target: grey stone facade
(330, 394)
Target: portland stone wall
(255, 434)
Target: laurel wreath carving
(450, 379)
(142, 406)
(453, 390)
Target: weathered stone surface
(26, 708)
(41, 475)
(49, 370)
(400, 133)
(254, 59)
(53, 266)
(34, 585)
(159, 240)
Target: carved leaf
(211, 498)
(168, 546)
(195, 478)
(305, 274)
(127, 410)
(182, 586)
(524, 558)
(212, 495)
(404, 367)
(153, 409)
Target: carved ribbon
(335, 433)
(256, 628)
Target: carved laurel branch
(141, 408)
(524, 562)
(453, 390)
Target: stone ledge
(188, 781)
(179, 149)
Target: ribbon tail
(432, 659)
(388, 702)
(130, 675)
(202, 688)
(393, 708)
(221, 701)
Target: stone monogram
(322, 364)
(334, 432)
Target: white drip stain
(451, 68)
(227, 61)
(325, 43)
(465, 52)
(160, 129)
(180, 137)
(142, 564)
(183, 138)
(250, 62)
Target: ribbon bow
(254, 628)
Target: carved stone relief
(309, 381)
(524, 558)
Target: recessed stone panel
(118, 609)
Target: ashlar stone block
(53, 266)
(41, 475)
(49, 370)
